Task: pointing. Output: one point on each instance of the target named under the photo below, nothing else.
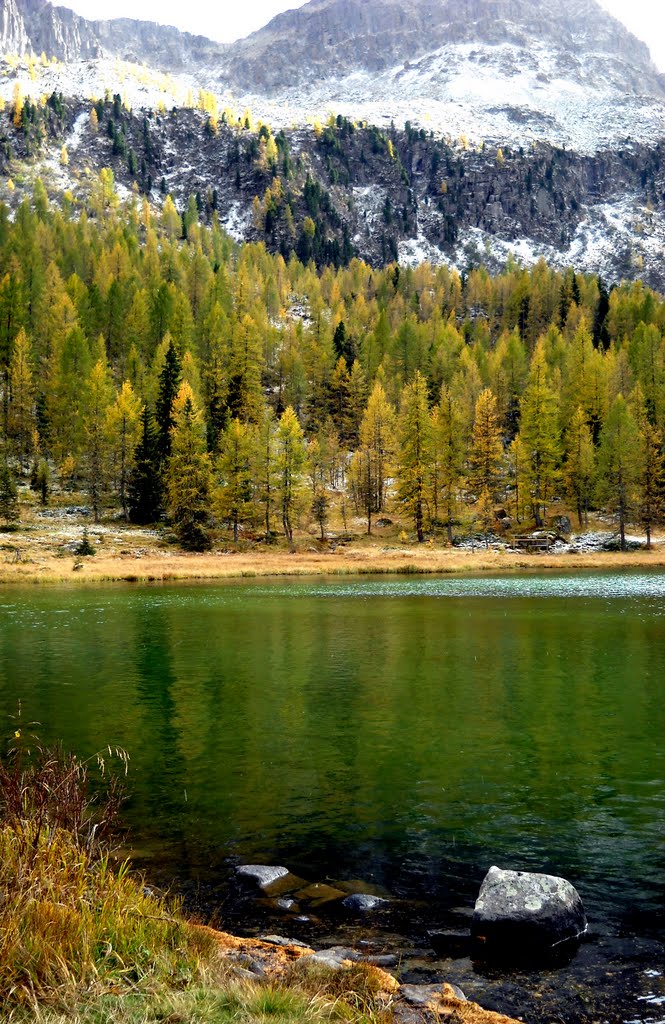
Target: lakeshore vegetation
(151, 362)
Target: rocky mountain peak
(328, 38)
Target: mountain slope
(497, 70)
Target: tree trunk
(419, 523)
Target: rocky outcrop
(520, 913)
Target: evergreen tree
(414, 451)
(9, 509)
(169, 383)
(144, 487)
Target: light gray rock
(363, 902)
(518, 912)
(326, 959)
(280, 940)
(341, 952)
(418, 995)
(382, 960)
(263, 874)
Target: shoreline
(160, 566)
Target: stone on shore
(520, 913)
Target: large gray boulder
(520, 913)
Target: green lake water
(408, 731)
(387, 726)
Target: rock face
(520, 913)
(33, 26)
(331, 38)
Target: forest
(174, 376)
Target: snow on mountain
(498, 94)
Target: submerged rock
(518, 913)
(263, 874)
(362, 902)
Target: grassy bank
(83, 940)
(162, 567)
(44, 551)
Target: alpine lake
(393, 735)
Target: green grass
(205, 1004)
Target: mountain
(463, 131)
(503, 71)
(35, 26)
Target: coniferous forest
(174, 376)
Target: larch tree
(123, 428)
(244, 393)
(370, 465)
(98, 395)
(539, 434)
(234, 498)
(414, 434)
(618, 463)
(265, 466)
(651, 465)
(486, 451)
(189, 475)
(579, 465)
(447, 459)
(21, 419)
(289, 464)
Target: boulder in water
(518, 913)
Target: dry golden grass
(351, 560)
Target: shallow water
(406, 731)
